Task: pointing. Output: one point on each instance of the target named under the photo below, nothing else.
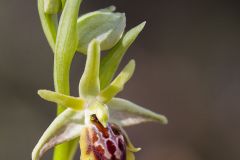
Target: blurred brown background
(188, 63)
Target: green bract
(103, 25)
(52, 6)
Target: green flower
(96, 116)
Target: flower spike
(75, 103)
(118, 83)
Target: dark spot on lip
(111, 147)
(115, 130)
(120, 145)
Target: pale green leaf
(65, 127)
(110, 63)
(128, 113)
(118, 83)
(49, 24)
(75, 103)
(103, 25)
(89, 85)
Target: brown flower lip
(103, 143)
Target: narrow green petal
(128, 113)
(89, 84)
(110, 63)
(118, 83)
(49, 24)
(104, 25)
(52, 6)
(65, 127)
(75, 103)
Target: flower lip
(102, 143)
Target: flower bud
(99, 143)
(107, 27)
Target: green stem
(65, 48)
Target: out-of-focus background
(188, 68)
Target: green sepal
(118, 83)
(49, 24)
(110, 63)
(65, 127)
(127, 113)
(75, 103)
(89, 85)
(52, 6)
(103, 25)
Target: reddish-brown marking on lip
(111, 147)
(100, 127)
(105, 143)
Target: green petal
(128, 113)
(65, 127)
(52, 6)
(49, 24)
(103, 25)
(118, 83)
(89, 85)
(110, 63)
(61, 99)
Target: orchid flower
(96, 118)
